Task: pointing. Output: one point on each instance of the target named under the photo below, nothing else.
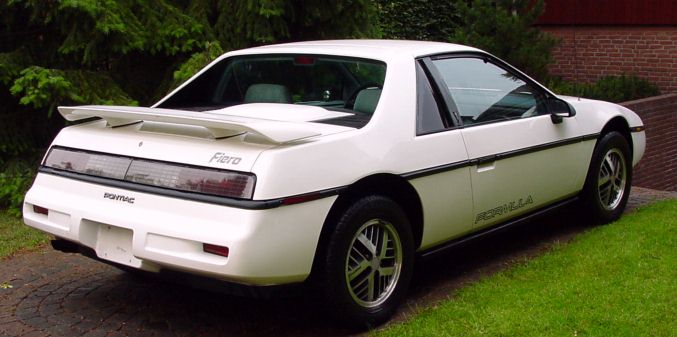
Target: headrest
(267, 93)
(366, 100)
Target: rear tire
(369, 261)
(607, 185)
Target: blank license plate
(115, 244)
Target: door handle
(486, 160)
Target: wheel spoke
(386, 271)
(370, 284)
(366, 242)
(619, 172)
(605, 194)
(610, 164)
(358, 270)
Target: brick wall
(647, 51)
(658, 168)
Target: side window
(428, 118)
(484, 92)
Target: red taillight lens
(40, 210)
(214, 249)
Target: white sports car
(339, 162)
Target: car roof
(380, 49)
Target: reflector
(40, 210)
(214, 249)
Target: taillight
(214, 249)
(184, 178)
(154, 173)
(100, 165)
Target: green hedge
(612, 88)
(15, 179)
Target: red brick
(646, 51)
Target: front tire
(607, 185)
(369, 262)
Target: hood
(587, 106)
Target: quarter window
(484, 92)
(428, 117)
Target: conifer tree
(60, 52)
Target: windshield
(336, 83)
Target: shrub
(506, 29)
(612, 88)
(15, 180)
(417, 19)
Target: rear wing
(218, 125)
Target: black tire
(600, 206)
(346, 300)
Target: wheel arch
(389, 185)
(619, 124)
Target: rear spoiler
(218, 125)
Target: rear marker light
(40, 210)
(214, 249)
(301, 198)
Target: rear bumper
(266, 247)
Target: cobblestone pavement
(58, 294)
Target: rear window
(335, 83)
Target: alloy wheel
(611, 179)
(374, 262)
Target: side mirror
(559, 109)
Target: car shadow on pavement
(186, 311)
(74, 296)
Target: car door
(443, 182)
(521, 159)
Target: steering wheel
(350, 102)
(492, 113)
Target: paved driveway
(57, 294)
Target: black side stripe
(210, 199)
(498, 156)
(534, 148)
(434, 170)
(272, 203)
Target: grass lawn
(613, 280)
(15, 236)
